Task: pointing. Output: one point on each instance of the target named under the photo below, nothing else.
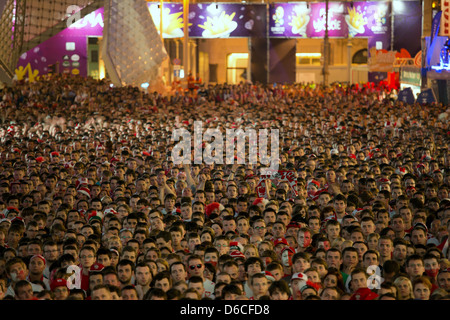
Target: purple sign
(337, 28)
(366, 19)
(218, 20)
(68, 47)
(303, 20)
(289, 20)
(172, 18)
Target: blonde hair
(345, 244)
(337, 242)
(251, 246)
(397, 283)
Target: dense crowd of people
(94, 205)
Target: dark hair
(155, 292)
(279, 285)
(231, 289)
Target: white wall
(218, 50)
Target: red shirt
(364, 294)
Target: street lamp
(186, 38)
(326, 52)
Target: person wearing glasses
(196, 268)
(259, 227)
(51, 254)
(87, 259)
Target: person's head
(87, 256)
(331, 293)
(195, 266)
(414, 266)
(143, 274)
(388, 287)
(162, 280)
(242, 225)
(313, 275)
(358, 279)
(16, 269)
(211, 255)
(253, 265)
(443, 279)
(231, 291)
(129, 253)
(304, 237)
(222, 244)
(178, 271)
(101, 292)
(419, 235)
(95, 278)
(23, 290)
(259, 285)
(404, 287)
(300, 262)
(37, 265)
(422, 288)
(125, 271)
(321, 266)
(129, 292)
(399, 253)
(367, 226)
(361, 247)
(279, 290)
(156, 293)
(110, 276)
(385, 247)
(431, 265)
(250, 250)
(333, 278)
(350, 257)
(333, 257)
(196, 283)
(339, 203)
(60, 289)
(276, 269)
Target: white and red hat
(288, 248)
(280, 241)
(58, 283)
(39, 257)
(81, 182)
(269, 275)
(85, 191)
(110, 210)
(234, 245)
(300, 276)
(96, 267)
(237, 254)
(264, 201)
(95, 215)
(317, 183)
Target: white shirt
(35, 287)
